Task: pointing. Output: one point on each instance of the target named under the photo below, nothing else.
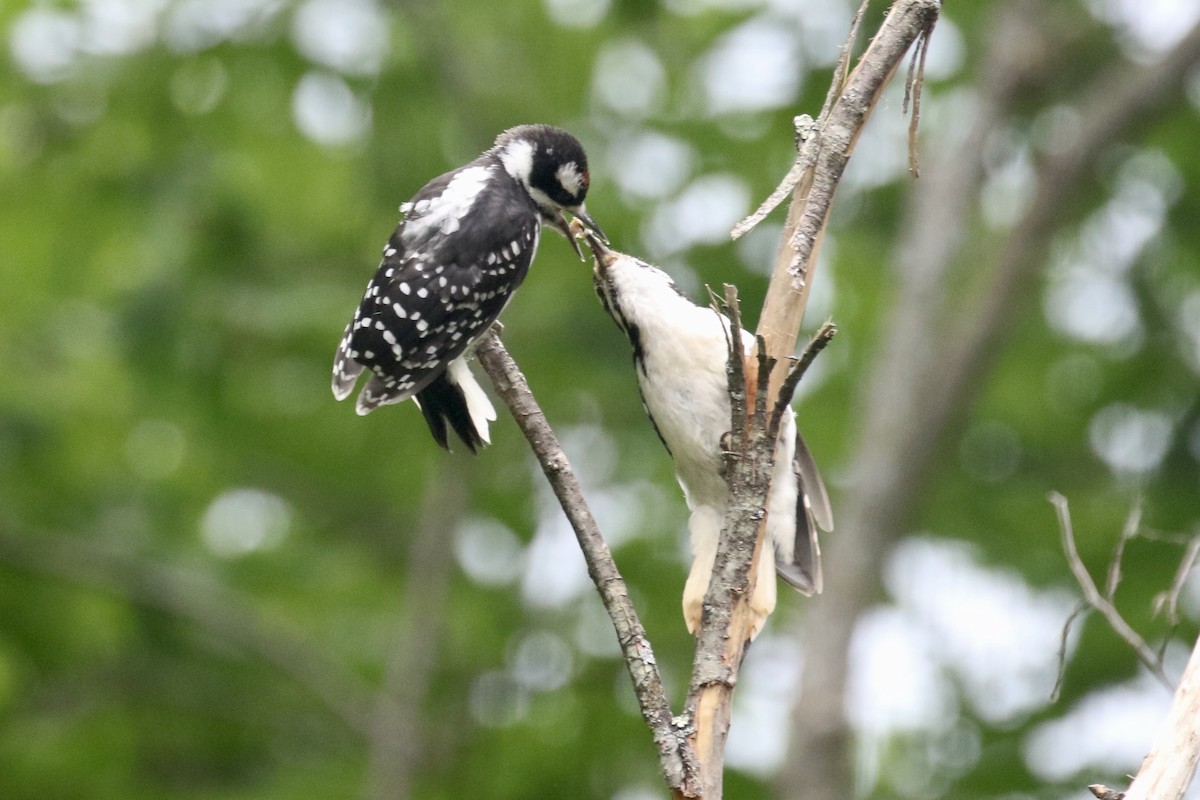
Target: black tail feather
(442, 402)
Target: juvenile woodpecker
(680, 351)
(462, 248)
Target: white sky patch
(894, 683)
(754, 67)
(1088, 297)
(1008, 189)
(577, 13)
(541, 662)
(647, 165)
(1107, 730)
(881, 155)
(350, 36)
(959, 632)
(327, 111)
(1092, 307)
(120, 27)
(767, 689)
(1128, 439)
(1147, 28)
(998, 635)
(241, 521)
(489, 552)
(555, 573)
(629, 79)
(193, 25)
(45, 43)
(703, 213)
(946, 51)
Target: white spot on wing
(444, 212)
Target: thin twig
(676, 758)
(807, 133)
(1169, 600)
(1080, 608)
(799, 367)
(913, 87)
(796, 256)
(1132, 522)
(1096, 600)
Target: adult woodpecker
(463, 247)
(680, 351)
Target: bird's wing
(813, 514)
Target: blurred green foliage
(179, 254)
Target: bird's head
(552, 166)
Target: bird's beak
(596, 241)
(583, 222)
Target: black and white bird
(680, 352)
(463, 247)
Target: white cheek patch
(570, 179)
(517, 159)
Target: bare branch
(676, 758)
(726, 621)
(1098, 601)
(913, 86)
(1079, 609)
(807, 133)
(787, 295)
(1132, 522)
(1169, 599)
(1168, 769)
(787, 391)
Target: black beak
(583, 222)
(596, 241)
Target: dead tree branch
(824, 149)
(823, 158)
(1096, 599)
(1167, 771)
(676, 759)
(921, 376)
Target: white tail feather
(478, 405)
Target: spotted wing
(435, 294)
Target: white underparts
(683, 382)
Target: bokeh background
(216, 582)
